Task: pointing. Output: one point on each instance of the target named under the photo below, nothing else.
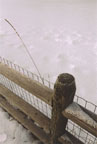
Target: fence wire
(46, 109)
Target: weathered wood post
(64, 91)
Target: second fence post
(64, 91)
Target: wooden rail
(84, 119)
(29, 124)
(18, 102)
(61, 100)
(32, 86)
(22, 118)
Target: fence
(27, 97)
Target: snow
(75, 110)
(61, 36)
(3, 137)
(11, 132)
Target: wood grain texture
(59, 99)
(32, 86)
(83, 118)
(37, 131)
(29, 110)
(69, 139)
(64, 91)
(22, 118)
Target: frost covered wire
(24, 47)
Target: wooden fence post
(64, 91)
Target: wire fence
(27, 73)
(46, 109)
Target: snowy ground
(11, 132)
(61, 36)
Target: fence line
(27, 73)
(45, 82)
(73, 128)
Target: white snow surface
(11, 132)
(61, 36)
(75, 110)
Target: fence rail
(29, 99)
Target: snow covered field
(61, 36)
